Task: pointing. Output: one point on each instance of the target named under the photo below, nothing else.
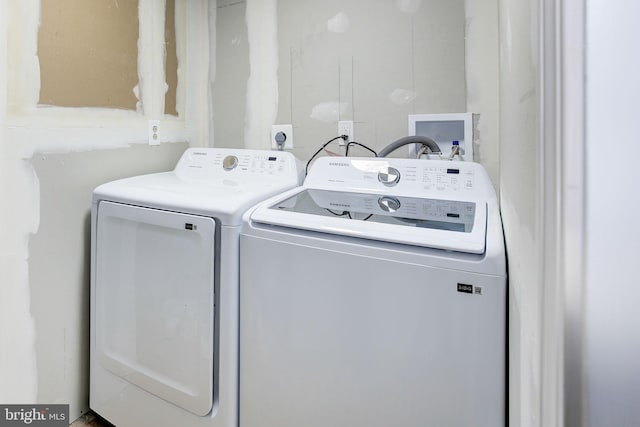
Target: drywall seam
(151, 74)
(197, 53)
(62, 139)
(18, 218)
(23, 69)
(180, 16)
(213, 40)
(262, 86)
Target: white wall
(50, 160)
(314, 63)
(612, 232)
(520, 177)
(482, 70)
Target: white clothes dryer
(164, 287)
(375, 295)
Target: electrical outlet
(154, 132)
(281, 135)
(345, 127)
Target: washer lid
(453, 225)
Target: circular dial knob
(389, 176)
(229, 163)
(389, 204)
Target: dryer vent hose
(422, 140)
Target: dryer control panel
(223, 163)
(409, 177)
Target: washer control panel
(445, 178)
(211, 163)
(398, 176)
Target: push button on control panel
(229, 163)
(389, 176)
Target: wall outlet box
(281, 137)
(345, 127)
(154, 132)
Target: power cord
(306, 169)
(346, 153)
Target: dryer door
(154, 301)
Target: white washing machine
(164, 287)
(375, 295)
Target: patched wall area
(65, 128)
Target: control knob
(229, 163)
(389, 176)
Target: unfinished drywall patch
(329, 111)
(402, 96)
(88, 53)
(171, 58)
(262, 86)
(339, 23)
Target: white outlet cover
(153, 131)
(345, 127)
(287, 130)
